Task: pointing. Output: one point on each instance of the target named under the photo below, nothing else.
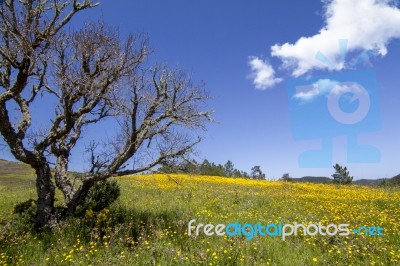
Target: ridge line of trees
(209, 168)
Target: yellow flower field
(149, 225)
(226, 200)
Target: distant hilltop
(365, 182)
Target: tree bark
(79, 196)
(61, 177)
(45, 217)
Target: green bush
(100, 196)
(23, 206)
(26, 211)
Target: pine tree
(341, 176)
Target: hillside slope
(8, 168)
(13, 174)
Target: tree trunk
(45, 217)
(61, 177)
(79, 196)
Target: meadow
(148, 225)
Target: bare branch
(91, 76)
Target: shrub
(286, 177)
(23, 206)
(100, 196)
(26, 211)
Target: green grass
(148, 224)
(16, 184)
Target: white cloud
(325, 85)
(306, 93)
(332, 89)
(354, 88)
(309, 92)
(366, 24)
(262, 73)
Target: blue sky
(247, 52)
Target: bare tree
(91, 76)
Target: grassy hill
(13, 174)
(149, 224)
(8, 168)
